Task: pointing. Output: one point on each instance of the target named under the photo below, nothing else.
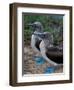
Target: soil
(30, 65)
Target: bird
(52, 54)
(35, 40)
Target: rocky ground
(30, 66)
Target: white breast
(43, 53)
(33, 42)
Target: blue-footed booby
(35, 40)
(53, 54)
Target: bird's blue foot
(49, 70)
(39, 60)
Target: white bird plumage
(43, 53)
(42, 43)
(33, 43)
(38, 28)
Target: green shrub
(49, 22)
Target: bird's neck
(36, 32)
(34, 37)
(48, 43)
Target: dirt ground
(30, 66)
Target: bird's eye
(44, 35)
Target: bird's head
(46, 37)
(36, 26)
